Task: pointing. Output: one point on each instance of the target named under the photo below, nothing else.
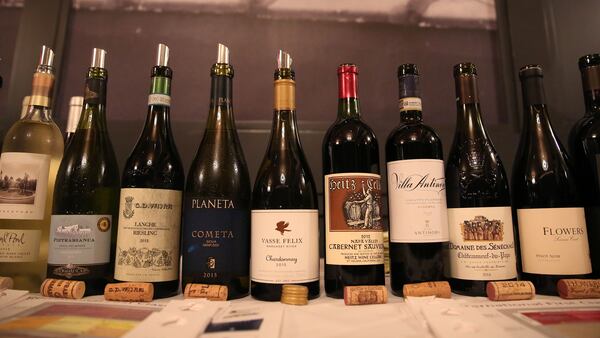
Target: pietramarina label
(353, 224)
(482, 245)
(554, 241)
(285, 246)
(148, 236)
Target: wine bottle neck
(468, 117)
(220, 115)
(284, 133)
(409, 101)
(159, 102)
(348, 108)
(590, 78)
(40, 100)
(348, 103)
(94, 100)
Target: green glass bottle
(86, 195)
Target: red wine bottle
(353, 221)
(550, 213)
(285, 216)
(416, 191)
(480, 225)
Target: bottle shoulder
(43, 137)
(413, 133)
(350, 131)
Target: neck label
(159, 100)
(410, 103)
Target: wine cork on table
(129, 292)
(210, 292)
(578, 288)
(510, 290)
(61, 288)
(365, 294)
(6, 283)
(438, 289)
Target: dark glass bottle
(151, 196)
(75, 106)
(585, 147)
(285, 220)
(352, 186)
(552, 227)
(480, 225)
(216, 227)
(416, 191)
(86, 195)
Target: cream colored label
(23, 185)
(148, 236)
(410, 103)
(554, 241)
(159, 100)
(285, 246)
(417, 199)
(19, 245)
(353, 223)
(481, 245)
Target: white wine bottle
(31, 153)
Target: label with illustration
(554, 241)
(19, 245)
(353, 223)
(285, 246)
(481, 245)
(215, 239)
(148, 235)
(417, 200)
(77, 240)
(23, 185)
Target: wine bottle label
(216, 240)
(23, 185)
(285, 246)
(159, 100)
(410, 103)
(18, 245)
(148, 235)
(417, 200)
(482, 245)
(354, 228)
(78, 240)
(554, 241)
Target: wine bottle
(151, 194)
(31, 154)
(584, 142)
(416, 191)
(352, 186)
(285, 220)
(25, 106)
(75, 106)
(552, 227)
(482, 242)
(86, 196)
(216, 227)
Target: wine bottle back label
(23, 185)
(79, 239)
(417, 200)
(17, 245)
(285, 246)
(216, 240)
(482, 245)
(554, 241)
(148, 236)
(354, 228)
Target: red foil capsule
(347, 83)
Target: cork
(578, 288)
(510, 290)
(366, 294)
(129, 292)
(6, 283)
(210, 292)
(61, 288)
(438, 289)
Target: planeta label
(148, 236)
(353, 224)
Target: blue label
(215, 240)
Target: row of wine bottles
(74, 216)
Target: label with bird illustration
(285, 246)
(353, 222)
